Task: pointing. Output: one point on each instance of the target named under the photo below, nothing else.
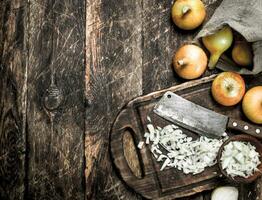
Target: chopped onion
(175, 149)
(167, 161)
(140, 145)
(240, 159)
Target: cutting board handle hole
(131, 153)
(169, 96)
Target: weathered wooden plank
(13, 83)
(160, 40)
(56, 100)
(113, 77)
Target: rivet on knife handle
(245, 127)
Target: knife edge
(191, 116)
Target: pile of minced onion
(174, 149)
(240, 159)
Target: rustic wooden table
(67, 69)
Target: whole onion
(217, 44)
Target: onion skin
(252, 104)
(228, 88)
(190, 62)
(188, 14)
(242, 53)
(217, 44)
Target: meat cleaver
(200, 120)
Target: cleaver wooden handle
(245, 127)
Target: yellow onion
(252, 104)
(228, 88)
(242, 53)
(190, 61)
(217, 44)
(188, 14)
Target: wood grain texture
(56, 100)
(12, 99)
(113, 77)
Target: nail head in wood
(246, 127)
(53, 97)
(257, 131)
(234, 124)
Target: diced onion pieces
(174, 149)
(240, 159)
(140, 145)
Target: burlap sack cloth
(245, 17)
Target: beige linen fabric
(244, 16)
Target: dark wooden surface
(13, 84)
(42, 99)
(67, 69)
(55, 91)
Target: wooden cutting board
(139, 168)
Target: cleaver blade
(199, 119)
(191, 116)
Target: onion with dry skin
(252, 104)
(242, 53)
(217, 44)
(188, 14)
(190, 61)
(228, 88)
